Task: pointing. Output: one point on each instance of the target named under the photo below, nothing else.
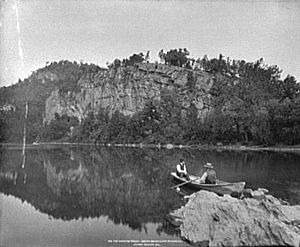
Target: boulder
(227, 221)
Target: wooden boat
(220, 187)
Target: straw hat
(208, 165)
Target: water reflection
(131, 187)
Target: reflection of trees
(128, 187)
(131, 186)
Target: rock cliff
(210, 220)
(128, 89)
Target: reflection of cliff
(112, 184)
(9, 176)
(131, 186)
(56, 180)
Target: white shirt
(181, 170)
(203, 177)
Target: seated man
(209, 176)
(181, 170)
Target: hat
(209, 166)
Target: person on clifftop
(181, 170)
(209, 176)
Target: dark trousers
(182, 175)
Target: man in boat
(181, 170)
(209, 176)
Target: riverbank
(295, 148)
(211, 220)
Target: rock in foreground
(226, 221)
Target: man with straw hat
(209, 176)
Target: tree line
(250, 104)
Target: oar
(178, 185)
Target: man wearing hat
(209, 176)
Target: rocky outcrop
(128, 89)
(210, 220)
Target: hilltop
(179, 100)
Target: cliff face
(128, 89)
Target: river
(88, 196)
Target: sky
(33, 32)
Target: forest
(250, 104)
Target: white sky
(100, 31)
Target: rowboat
(221, 187)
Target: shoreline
(207, 147)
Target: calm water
(83, 196)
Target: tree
(162, 56)
(59, 128)
(133, 59)
(147, 57)
(116, 127)
(3, 127)
(289, 88)
(190, 124)
(169, 110)
(177, 57)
